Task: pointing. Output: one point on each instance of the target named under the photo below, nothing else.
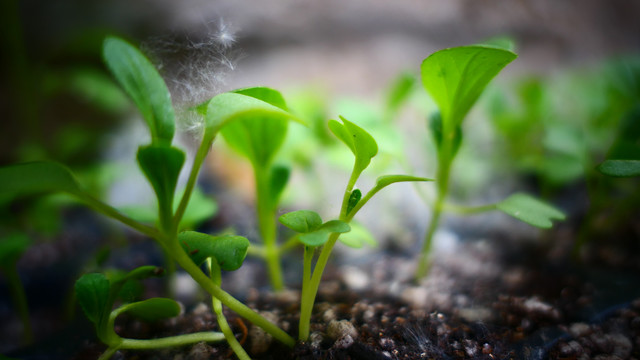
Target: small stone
(329, 315)
(340, 329)
(579, 329)
(199, 351)
(316, 339)
(355, 278)
(200, 309)
(260, 340)
(622, 346)
(571, 348)
(344, 342)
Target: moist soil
(482, 300)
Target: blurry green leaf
(227, 107)
(268, 95)
(161, 165)
(501, 42)
(302, 221)
(92, 292)
(399, 91)
(530, 210)
(456, 77)
(228, 250)
(320, 235)
(12, 246)
(386, 180)
(358, 237)
(354, 198)
(362, 145)
(278, 180)
(152, 309)
(258, 138)
(620, 168)
(34, 178)
(141, 81)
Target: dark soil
(477, 303)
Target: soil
(482, 300)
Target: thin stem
(115, 214)
(16, 289)
(229, 301)
(468, 210)
(107, 354)
(201, 154)
(171, 341)
(216, 278)
(267, 224)
(289, 245)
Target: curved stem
(115, 214)
(216, 278)
(229, 301)
(16, 289)
(107, 354)
(171, 341)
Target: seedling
(12, 246)
(97, 294)
(455, 78)
(313, 233)
(161, 163)
(258, 139)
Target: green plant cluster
(254, 122)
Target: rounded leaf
(228, 250)
(92, 292)
(152, 309)
(530, 210)
(302, 221)
(620, 168)
(36, 177)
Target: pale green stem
(115, 214)
(19, 301)
(267, 224)
(171, 341)
(107, 354)
(310, 285)
(229, 301)
(216, 277)
(201, 154)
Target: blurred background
(568, 102)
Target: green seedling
(258, 139)
(12, 246)
(455, 78)
(315, 234)
(97, 294)
(161, 164)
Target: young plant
(97, 294)
(258, 139)
(313, 233)
(161, 163)
(12, 246)
(455, 78)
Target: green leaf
(161, 165)
(268, 95)
(362, 145)
(386, 180)
(620, 168)
(153, 309)
(12, 247)
(399, 91)
(229, 107)
(228, 250)
(34, 178)
(126, 286)
(92, 292)
(354, 198)
(358, 237)
(456, 77)
(320, 235)
(501, 42)
(145, 86)
(258, 138)
(278, 180)
(530, 210)
(302, 221)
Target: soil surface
(482, 300)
